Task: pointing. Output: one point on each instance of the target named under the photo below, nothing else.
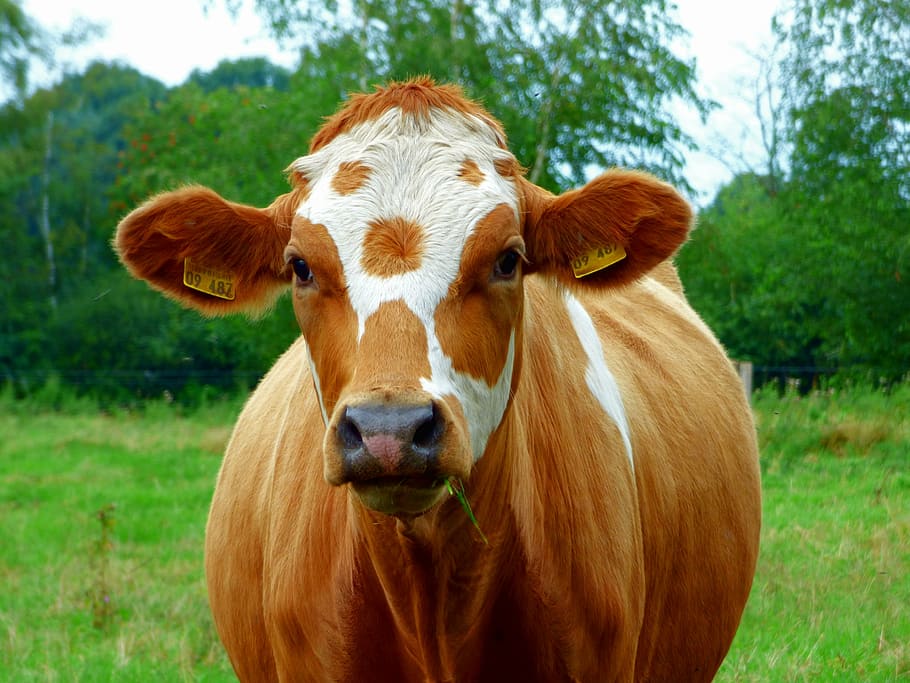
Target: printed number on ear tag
(214, 282)
(597, 259)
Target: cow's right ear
(208, 253)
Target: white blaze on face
(414, 176)
(483, 405)
(598, 377)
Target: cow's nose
(387, 440)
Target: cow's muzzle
(390, 453)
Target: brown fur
(392, 246)
(470, 172)
(350, 177)
(593, 572)
(417, 98)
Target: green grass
(57, 471)
(831, 599)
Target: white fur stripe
(316, 384)
(600, 380)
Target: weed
(101, 593)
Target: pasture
(102, 517)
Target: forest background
(799, 263)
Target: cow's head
(404, 240)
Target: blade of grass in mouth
(456, 488)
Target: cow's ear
(206, 252)
(609, 232)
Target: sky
(167, 39)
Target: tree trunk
(362, 40)
(542, 147)
(44, 222)
(454, 23)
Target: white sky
(167, 39)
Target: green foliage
(115, 138)
(23, 41)
(253, 72)
(847, 75)
(812, 271)
(743, 274)
(807, 270)
(57, 156)
(577, 85)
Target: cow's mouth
(400, 496)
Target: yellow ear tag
(597, 259)
(214, 282)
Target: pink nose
(383, 440)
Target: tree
(57, 157)
(579, 86)
(742, 272)
(21, 40)
(807, 265)
(252, 72)
(846, 80)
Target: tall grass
(830, 600)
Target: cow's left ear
(609, 232)
(208, 253)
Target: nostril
(429, 431)
(351, 438)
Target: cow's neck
(438, 577)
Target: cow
(504, 446)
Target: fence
(171, 381)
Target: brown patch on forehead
(350, 177)
(392, 246)
(393, 352)
(476, 319)
(416, 97)
(470, 172)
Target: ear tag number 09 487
(208, 280)
(597, 259)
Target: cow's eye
(302, 271)
(506, 265)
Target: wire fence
(187, 385)
(174, 381)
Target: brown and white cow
(599, 432)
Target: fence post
(744, 370)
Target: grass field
(102, 519)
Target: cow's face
(407, 256)
(404, 240)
